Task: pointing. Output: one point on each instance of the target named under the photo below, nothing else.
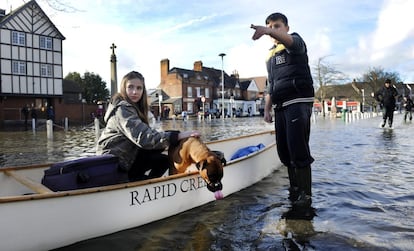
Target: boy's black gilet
(289, 77)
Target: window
(19, 67)
(46, 70)
(189, 92)
(207, 92)
(18, 38)
(46, 43)
(198, 92)
(177, 108)
(189, 107)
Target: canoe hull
(47, 221)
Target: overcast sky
(353, 35)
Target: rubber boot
(304, 178)
(293, 189)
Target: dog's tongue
(218, 195)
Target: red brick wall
(76, 113)
(10, 110)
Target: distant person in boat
(408, 105)
(290, 92)
(386, 96)
(128, 135)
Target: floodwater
(363, 192)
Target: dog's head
(211, 170)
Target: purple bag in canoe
(84, 172)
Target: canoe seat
(35, 186)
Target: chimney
(235, 74)
(198, 66)
(165, 68)
(2, 13)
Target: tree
(376, 76)
(75, 77)
(93, 87)
(61, 6)
(325, 73)
(375, 79)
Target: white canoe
(35, 218)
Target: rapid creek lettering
(141, 196)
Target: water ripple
(363, 195)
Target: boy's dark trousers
(388, 113)
(292, 125)
(406, 115)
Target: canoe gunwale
(45, 195)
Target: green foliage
(93, 87)
(75, 77)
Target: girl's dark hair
(277, 16)
(142, 105)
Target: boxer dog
(209, 163)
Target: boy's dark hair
(388, 81)
(277, 16)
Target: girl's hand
(187, 134)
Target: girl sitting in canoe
(128, 135)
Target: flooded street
(363, 191)
(28, 147)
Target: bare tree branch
(325, 73)
(61, 6)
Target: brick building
(186, 89)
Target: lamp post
(363, 100)
(222, 85)
(83, 111)
(159, 105)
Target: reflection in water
(363, 196)
(388, 134)
(25, 148)
(297, 227)
(297, 233)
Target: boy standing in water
(290, 92)
(386, 96)
(408, 105)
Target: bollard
(49, 129)
(66, 124)
(34, 125)
(97, 128)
